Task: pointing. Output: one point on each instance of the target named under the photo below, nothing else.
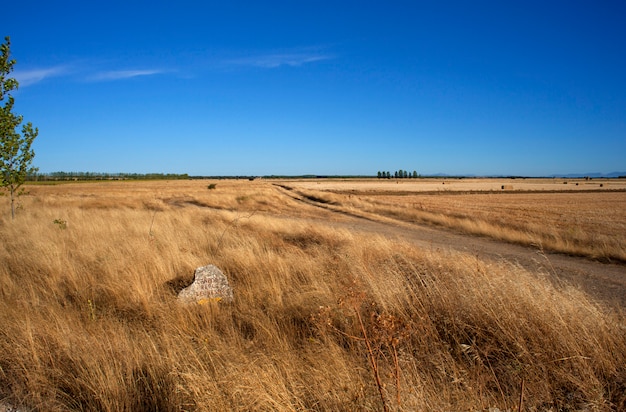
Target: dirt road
(603, 281)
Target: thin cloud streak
(30, 77)
(122, 74)
(272, 61)
(34, 76)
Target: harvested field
(460, 185)
(578, 222)
(339, 306)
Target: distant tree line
(75, 176)
(398, 174)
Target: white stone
(209, 284)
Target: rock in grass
(209, 285)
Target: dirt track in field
(605, 282)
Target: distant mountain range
(594, 175)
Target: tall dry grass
(89, 319)
(583, 224)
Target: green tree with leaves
(16, 154)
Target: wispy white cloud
(274, 60)
(90, 71)
(79, 72)
(122, 74)
(32, 76)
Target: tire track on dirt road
(605, 282)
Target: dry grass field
(324, 318)
(575, 217)
(455, 185)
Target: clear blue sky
(339, 87)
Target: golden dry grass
(578, 222)
(89, 319)
(448, 185)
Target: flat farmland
(568, 216)
(462, 185)
(348, 295)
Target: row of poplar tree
(398, 174)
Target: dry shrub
(323, 319)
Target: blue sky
(314, 87)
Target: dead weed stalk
(381, 332)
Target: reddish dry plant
(382, 333)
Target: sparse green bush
(62, 224)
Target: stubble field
(325, 318)
(573, 216)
